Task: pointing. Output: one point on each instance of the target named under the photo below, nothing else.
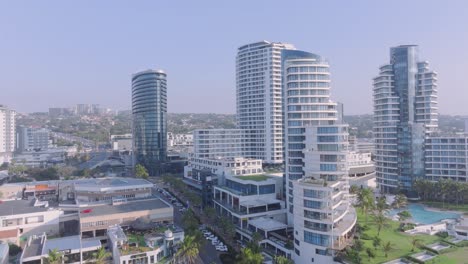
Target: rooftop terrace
(257, 178)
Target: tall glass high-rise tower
(405, 111)
(149, 109)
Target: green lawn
(460, 256)
(401, 241)
(253, 177)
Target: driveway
(208, 252)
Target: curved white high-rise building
(316, 160)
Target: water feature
(421, 215)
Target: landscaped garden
(380, 239)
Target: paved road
(208, 252)
(95, 158)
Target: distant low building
(122, 142)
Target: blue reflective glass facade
(149, 109)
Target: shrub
(13, 249)
(366, 237)
(442, 234)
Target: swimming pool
(423, 216)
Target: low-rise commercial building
(150, 248)
(23, 218)
(72, 249)
(96, 220)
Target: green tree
(247, 256)
(141, 172)
(283, 260)
(210, 213)
(101, 256)
(380, 221)
(53, 257)
(189, 222)
(381, 204)
(415, 242)
(358, 245)
(376, 241)
(387, 247)
(354, 189)
(400, 201)
(370, 253)
(254, 243)
(365, 200)
(188, 251)
(354, 255)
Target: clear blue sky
(59, 53)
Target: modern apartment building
(324, 218)
(32, 138)
(7, 133)
(405, 111)
(259, 96)
(307, 103)
(446, 157)
(149, 108)
(316, 153)
(216, 143)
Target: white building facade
(259, 99)
(316, 160)
(7, 133)
(215, 143)
(31, 138)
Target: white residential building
(215, 143)
(7, 133)
(183, 140)
(316, 160)
(225, 166)
(32, 138)
(259, 99)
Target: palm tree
(53, 257)
(370, 253)
(376, 241)
(247, 256)
(415, 242)
(188, 250)
(381, 204)
(381, 221)
(400, 201)
(365, 200)
(283, 260)
(387, 247)
(101, 255)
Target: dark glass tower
(405, 111)
(149, 109)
